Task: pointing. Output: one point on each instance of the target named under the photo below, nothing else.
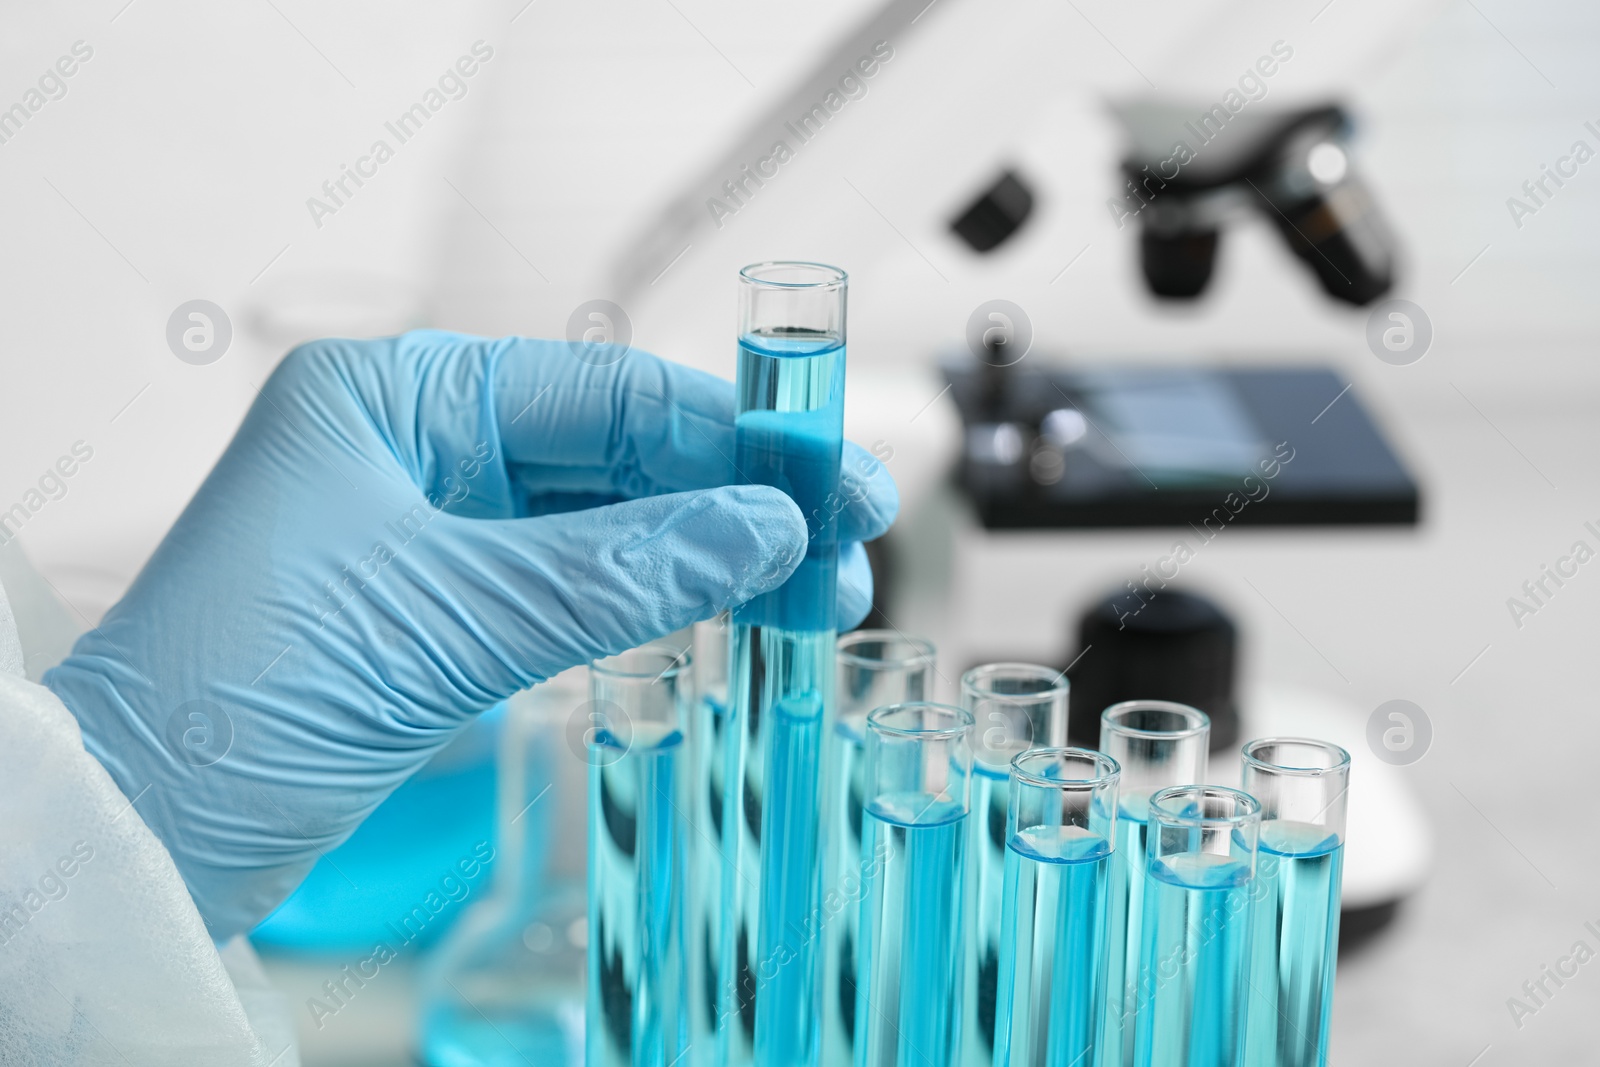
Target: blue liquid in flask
(492, 1023)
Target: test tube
(1158, 744)
(875, 668)
(1015, 707)
(637, 1005)
(1196, 927)
(908, 976)
(1302, 786)
(1060, 837)
(707, 745)
(788, 433)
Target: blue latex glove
(333, 631)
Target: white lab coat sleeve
(103, 957)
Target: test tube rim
(837, 278)
(1202, 725)
(925, 655)
(1059, 682)
(1251, 812)
(963, 720)
(682, 659)
(1111, 776)
(1342, 765)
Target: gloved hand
(403, 533)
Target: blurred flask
(367, 890)
(506, 987)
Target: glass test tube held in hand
(788, 433)
(1196, 927)
(1015, 707)
(1060, 835)
(875, 668)
(908, 979)
(637, 1004)
(1157, 744)
(1302, 787)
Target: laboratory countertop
(1368, 616)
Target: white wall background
(178, 165)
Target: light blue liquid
(500, 1030)
(773, 842)
(1294, 945)
(1196, 948)
(1051, 992)
(1124, 915)
(986, 873)
(788, 433)
(507, 989)
(842, 891)
(704, 904)
(637, 1007)
(908, 984)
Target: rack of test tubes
(796, 859)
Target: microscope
(1052, 446)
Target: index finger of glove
(638, 426)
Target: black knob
(1154, 646)
(996, 215)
